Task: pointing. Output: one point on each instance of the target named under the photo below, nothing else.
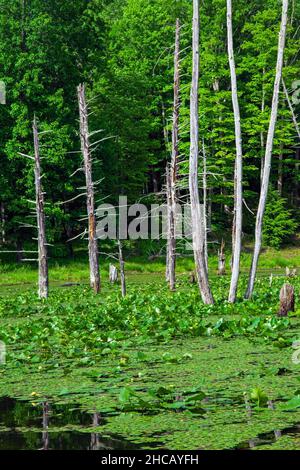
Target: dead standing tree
(196, 213)
(122, 269)
(40, 213)
(171, 172)
(238, 171)
(222, 260)
(268, 153)
(86, 152)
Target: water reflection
(47, 426)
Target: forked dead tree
(268, 154)
(196, 213)
(40, 213)
(238, 172)
(86, 152)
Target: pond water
(45, 426)
(269, 438)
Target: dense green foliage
(123, 50)
(278, 223)
(123, 359)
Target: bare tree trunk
(262, 137)
(19, 247)
(113, 274)
(291, 109)
(122, 270)
(85, 148)
(3, 223)
(268, 155)
(196, 213)
(168, 198)
(222, 260)
(172, 171)
(42, 242)
(204, 178)
(238, 173)
(171, 246)
(280, 172)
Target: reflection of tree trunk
(95, 436)
(45, 435)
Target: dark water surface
(47, 426)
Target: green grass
(64, 270)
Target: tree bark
(268, 154)
(204, 178)
(287, 300)
(196, 213)
(113, 274)
(238, 173)
(262, 137)
(85, 148)
(42, 242)
(222, 260)
(122, 269)
(3, 236)
(171, 246)
(280, 172)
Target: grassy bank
(68, 270)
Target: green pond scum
(160, 370)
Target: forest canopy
(123, 51)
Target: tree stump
(113, 274)
(287, 300)
(192, 277)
